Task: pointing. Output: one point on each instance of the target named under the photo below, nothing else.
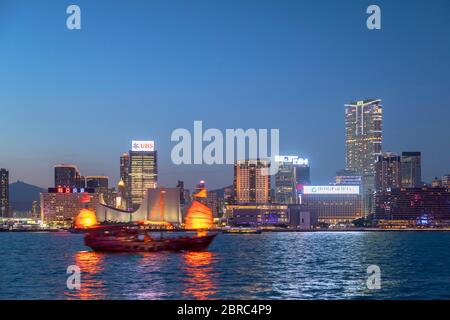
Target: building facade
(424, 206)
(285, 184)
(68, 176)
(292, 172)
(411, 169)
(446, 181)
(270, 215)
(212, 202)
(60, 206)
(364, 136)
(4, 193)
(251, 181)
(99, 183)
(257, 215)
(303, 174)
(347, 178)
(333, 204)
(363, 127)
(388, 171)
(143, 173)
(125, 177)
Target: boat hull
(114, 244)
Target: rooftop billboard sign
(331, 190)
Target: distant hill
(22, 195)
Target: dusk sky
(141, 69)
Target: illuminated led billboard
(331, 190)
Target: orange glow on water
(200, 284)
(85, 219)
(91, 265)
(199, 217)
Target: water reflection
(199, 281)
(91, 266)
(152, 271)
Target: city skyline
(174, 74)
(220, 151)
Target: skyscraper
(302, 174)
(99, 183)
(388, 171)
(143, 172)
(68, 176)
(411, 170)
(363, 127)
(4, 193)
(292, 171)
(101, 186)
(125, 177)
(285, 191)
(251, 185)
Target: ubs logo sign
(142, 145)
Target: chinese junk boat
(132, 238)
(142, 236)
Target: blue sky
(140, 69)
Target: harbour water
(319, 265)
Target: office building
(143, 171)
(387, 171)
(411, 169)
(4, 193)
(292, 172)
(333, 204)
(68, 176)
(303, 174)
(251, 181)
(99, 183)
(285, 184)
(424, 206)
(101, 186)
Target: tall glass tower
(411, 170)
(364, 135)
(143, 174)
